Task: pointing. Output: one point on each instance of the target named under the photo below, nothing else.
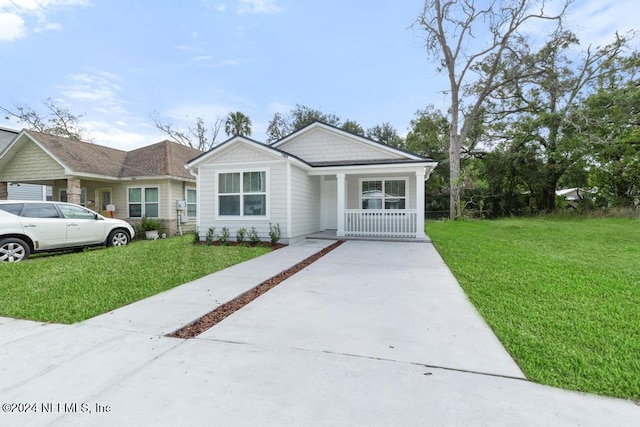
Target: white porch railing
(380, 222)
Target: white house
(318, 178)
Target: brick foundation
(4, 190)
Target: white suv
(30, 226)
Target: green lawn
(67, 288)
(563, 295)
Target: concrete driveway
(374, 333)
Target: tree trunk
(454, 178)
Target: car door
(44, 223)
(83, 225)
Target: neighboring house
(21, 191)
(318, 178)
(148, 181)
(574, 194)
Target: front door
(329, 205)
(104, 199)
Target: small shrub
(274, 233)
(224, 237)
(196, 236)
(210, 237)
(253, 236)
(150, 224)
(241, 234)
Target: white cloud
(258, 6)
(14, 16)
(120, 136)
(596, 21)
(49, 26)
(202, 58)
(12, 26)
(100, 89)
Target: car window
(40, 210)
(13, 208)
(76, 212)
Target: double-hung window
(384, 194)
(144, 201)
(191, 203)
(242, 193)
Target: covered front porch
(373, 203)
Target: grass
(73, 287)
(563, 295)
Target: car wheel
(13, 250)
(118, 238)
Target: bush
(254, 237)
(196, 236)
(150, 224)
(224, 237)
(274, 233)
(211, 235)
(240, 235)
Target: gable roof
(383, 154)
(196, 161)
(165, 158)
(392, 154)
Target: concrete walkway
(374, 333)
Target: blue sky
(117, 61)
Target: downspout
(184, 190)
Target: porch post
(73, 190)
(420, 204)
(4, 190)
(340, 195)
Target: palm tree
(237, 124)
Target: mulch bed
(214, 317)
(262, 244)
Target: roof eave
(373, 167)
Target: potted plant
(150, 226)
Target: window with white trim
(143, 201)
(83, 196)
(242, 193)
(384, 194)
(191, 202)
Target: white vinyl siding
(27, 192)
(276, 195)
(321, 145)
(305, 203)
